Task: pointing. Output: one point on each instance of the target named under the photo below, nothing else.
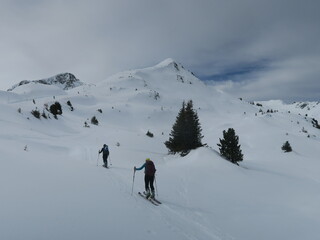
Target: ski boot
(147, 194)
(152, 194)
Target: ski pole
(110, 160)
(155, 181)
(98, 158)
(134, 173)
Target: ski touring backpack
(150, 169)
(105, 149)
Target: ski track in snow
(184, 225)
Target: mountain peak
(169, 62)
(65, 81)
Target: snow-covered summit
(167, 78)
(170, 63)
(64, 81)
(166, 85)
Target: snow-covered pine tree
(186, 131)
(229, 146)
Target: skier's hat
(148, 159)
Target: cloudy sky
(255, 49)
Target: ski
(155, 200)
(150, 200)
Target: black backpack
(106, 150)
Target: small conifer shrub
(94, 120)
(315, 123)
(70, 105)
(44, 115)
(36, 113)
(149, 134)
(229, 146)
(56, 109)
(286, 147)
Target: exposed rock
(65, 81)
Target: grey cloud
(94, 39)
(293, 80)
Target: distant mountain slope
(311, 109)
(64, 81)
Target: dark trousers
(105, 159)
(148, 181)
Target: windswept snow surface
(52, 188)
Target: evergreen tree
(193, 139)
(229, 146)
(286, 147)
(176, 139)
(56, 109)
(186, 131)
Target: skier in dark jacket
(149, 171)
(105, 155)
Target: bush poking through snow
(229, 146)
(156, 95)
(315, 123)
(44, 115)
(94, 120)
(36, 113)
(70, 105)
(286, 147)
(56, 109)
(149, 134)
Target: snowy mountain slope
(52, 188)
(311, 109)
(64, 81)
